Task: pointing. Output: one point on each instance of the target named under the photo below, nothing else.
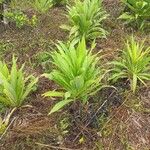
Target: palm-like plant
(76, 72)
(14, 86)
(85, 19)
(138, 13)
(133, 65)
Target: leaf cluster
(85, 19)
(14, 86)
(76, 72)
(138, 13)
(134, 64)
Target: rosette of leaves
(14, 85)
(134, 64)
(76, 72)
(86, 19)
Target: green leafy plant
(77, 73)
(20, 18)
(42, 6)
(85, 19)
(134, 64)
(137, 14)
(14, 86)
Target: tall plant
(76, 72)
(134, 64)
(85, 19)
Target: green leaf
(126, 16)
(29, 87)
(53, 94)
(65, 27)
(60, 105)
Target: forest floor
(114, 120)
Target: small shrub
(76, 73)
(14, 86)
(138, 13)
(21, 19)
(85, 19)
(18, 17)
(134, 64)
